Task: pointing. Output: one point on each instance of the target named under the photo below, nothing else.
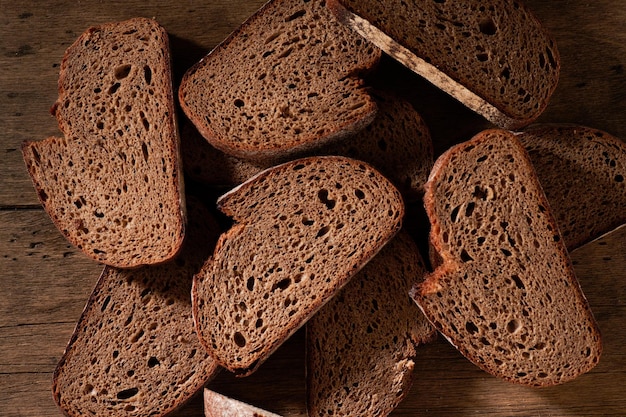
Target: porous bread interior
(135, 350)
(285, 81)
(582, 172)
(361, 346)
(496, 49)
(305, 228)
(112, 184)
(505, 293)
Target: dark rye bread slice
(113, 183)
(218, 405)
(582, 171)
(362, 345)
(285, 81)
(493, 56)
(505, 293)
(397, 143)
(302, 230)
(135, 351)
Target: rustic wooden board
(45, 282)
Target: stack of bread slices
(319, 169)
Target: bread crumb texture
(285, 80)
(304, 228)
(497, 48)
(111, 184)
(135, 350)
(361, 346)
(505, 293)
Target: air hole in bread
(137, 336)
(488, 27)
(324, 230)
(250, 284)
(239, 103)
(513, 326)
(113, 89)
(296, 15)
(127, 393)
(465, 257)
(359, 194)
(122, 71)
(323, 196)
(471, 327)
(153, 361)
(239, 339)
(147, 74)
(106, 302)
(518, 282)
(454, 213)
(282, 284)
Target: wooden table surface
(45, 282)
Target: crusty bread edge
(240, 224)
(428, 71)
(448, 263)
(259, 154)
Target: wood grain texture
(45, 283)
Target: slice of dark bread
(493, 56)
(397, 143)
(286, 80)
(361, 346)
(504, 293)
(135, 351)
(218, 405)
(113, 183)
(582, 172)
(302, 230)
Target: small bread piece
(397, 143)
(113, 183)
(361, 346)
(285, 81)
(493, 56)
(505, 293)
(135, 350)
(582, 172)
(218, 405)
(302, 230)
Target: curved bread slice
(361, 346)
(493, 56)
(218, 405)
(582, 172)
(113, 183)
(397, 143)
(505, 293)
(135, 350)
(302, 230)
(286, 80)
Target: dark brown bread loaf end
(493, 56)
(505, 293)
(113, 183)
(286, 81)
(302, 230)
(582, 172)
(218, 405)
(362, 345)
(135, 351)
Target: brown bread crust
(113, 184)
(505, 293)
(292, 83)
(493, 56)
(302, 230)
